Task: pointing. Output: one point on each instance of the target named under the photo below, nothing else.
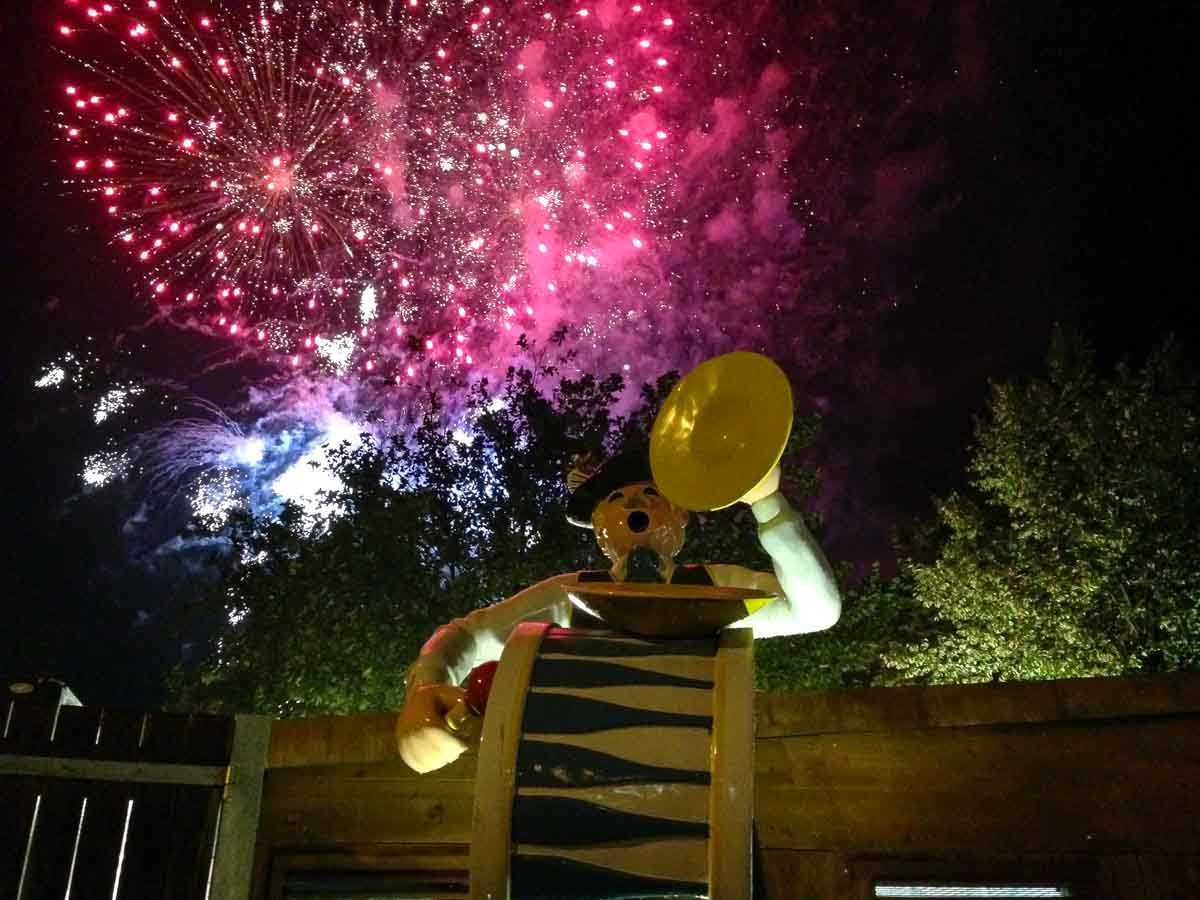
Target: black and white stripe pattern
(612, 776)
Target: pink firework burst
(384, 186)
(236, 161)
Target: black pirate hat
(590, 484)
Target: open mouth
(638, 521)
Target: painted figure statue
(723, 427)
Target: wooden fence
(115, 804)
(1089, 784)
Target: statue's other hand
(421, 734)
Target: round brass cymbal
(721, 431)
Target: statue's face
(637, 515)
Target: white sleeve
(808, 597)
(478, 637)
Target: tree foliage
(327, 616)
(1074, 551)
(1071, 552)
(881, 618)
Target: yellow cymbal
(721, 431)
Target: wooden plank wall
(63, 837)
(1093, 781)
(337, 797)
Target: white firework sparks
(215, 496)
(368, 305)
(53, 376)
(114, 402)
(101, 468)
(338, 351)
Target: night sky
(1043, 179)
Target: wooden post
(731, 796)
(233, 855)
(495, 776)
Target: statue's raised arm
(717, 441)
(807, 597)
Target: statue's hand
(764, 488)
(421, 734)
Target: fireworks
(70, 370)
(52, 376)
(378, 186)
(387, 194)
(634, 185)
(115, 401)
(236, 160)
(102, 467)
(372, 195)
(215, 496)
(375, 193)
(170, 456)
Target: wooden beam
(370, 737)
(1058, 788)
(731, 794)
(107, 770)
(947, 706)
(366, 738)
(495, 777)
(233, 857)
(377, 803)
(803, 875)
(333, 740)
(424, 865)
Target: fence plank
(1078, 786)
(53, 841)
(801, 875)
(117, 734)
(195, 739)
(75, 734)
(18, 797)
(107, 770)
(357, 804)
(29, 727)
(898, 708)
(1169, 876)
(190, 854)
(100, 840)
(120, 735)
(148, 847)
(332, 740)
